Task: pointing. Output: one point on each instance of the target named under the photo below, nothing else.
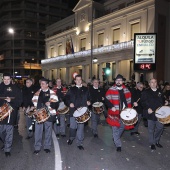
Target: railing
(96, 51)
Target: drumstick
(136, 102)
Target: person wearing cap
(118, 97)
(151, 100)
(11, 95)
(44, 98)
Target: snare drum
(6, 109)
(82, 115)
(163, 114)
(129, 116)
(62, 109)
(97, 107)
(41, 115)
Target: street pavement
(99, 154)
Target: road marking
(58, 162)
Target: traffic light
(107, 69)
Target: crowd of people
(53, 105)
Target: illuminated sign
(144, 51)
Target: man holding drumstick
(77, 97)
(151, 100)
(119, 97)
(10, 94)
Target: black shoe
(68, 125)
(57, 135)
(153, 147)
(118, 149)
(36, 152)
(7, 154)
(47, 150)
(63, 136)
(70, 142)
(2, 148)
(80, 147)
(159, 145)
(95, 135)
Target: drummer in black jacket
(12, 96)
(151, 100)
(97, 95)
(77, 97)
(136, 95)
(28, 92)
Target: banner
(69, 46)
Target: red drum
(6, 109)
(41, 115)
(62, 109)
(129, 116)
(163, 114)
(97, 107)
(82, 115)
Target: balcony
(96, 51)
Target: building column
(101, 71)
(117, 67)
(67, 75)
(84, 72)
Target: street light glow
(11, 30)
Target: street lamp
(11, 31)
(95, 59)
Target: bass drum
(163, 114)
(6, 109)
(129, 116)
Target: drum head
(128, 114)
(97, 104)
(80, 111)
(162, 112)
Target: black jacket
(28, 93)
(77, 96)
(136, 95)
(151, 99)
(11, 90)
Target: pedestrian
(136, 95)
(11, 96)
(97, 95)
(119, 97)
(78, 96)
(45, 99)
(151, 100)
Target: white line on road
(58, 162)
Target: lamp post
(91, 59)
(11, 31)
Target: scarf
(53, 98)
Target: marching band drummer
(119, 97)
(28, 92)
(151, 100)
(44, 98)
(13, 96)
(78, 96)
(97, 94)
(60, 92)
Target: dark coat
(136, 95)
(151, 99)
(77, 96)
(11, 90)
